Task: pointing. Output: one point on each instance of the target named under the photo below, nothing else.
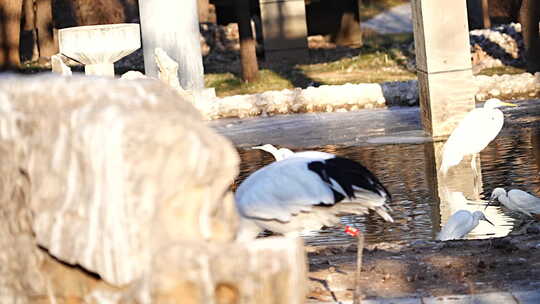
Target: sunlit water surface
(421, 200)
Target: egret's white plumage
(517, 200)
(461, 223)
(305, 193)
(477, 129)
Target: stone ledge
(353, 97)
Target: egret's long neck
(503, 198)
(476, 221)
(272, 150)
(284, 153)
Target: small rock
(480, 97)
(494, 92)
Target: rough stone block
(59, 65)
(265, 271)
(167, 69)
(104, 174)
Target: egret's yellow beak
(509, 104)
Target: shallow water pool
(422, 199)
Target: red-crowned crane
(305, 191)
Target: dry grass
(501, 70)
(228, 84)
(380, 59)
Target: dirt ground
(428, 268)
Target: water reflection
(422, 199)
(535, 144)
(460, 189)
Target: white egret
(517, 200)
(305, 193)
(461, 223)
(282, 153)
(477, 129)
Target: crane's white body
(460, 224)
(517, 200)
(477, 129)
(305, 192)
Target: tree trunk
(529, 17)
(64, 14)
(203, 7)
(478, 12)
(10, 30)
(349, 32)
(485, 14)
(44, 27)
(28, 17)
(248, 56)
(28, 42)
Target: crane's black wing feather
(348, 174)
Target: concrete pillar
(443, 63)
(174, 27)
(284, 29)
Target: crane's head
(497, 103)
(267, 147)
(278, 154)
(480, 216)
